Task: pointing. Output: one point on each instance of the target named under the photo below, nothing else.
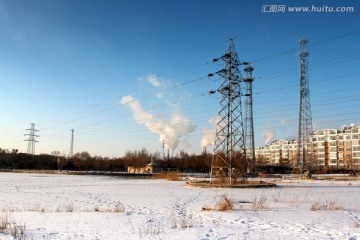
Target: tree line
(83, 161)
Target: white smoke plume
(351, 125)
(153, 80)
(269, 135)
(170, 130)
(157, 82)
(209, 134)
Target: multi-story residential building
(279, 152)
(335, 149)
(325, 147)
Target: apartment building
(279, 152)
(335, 149)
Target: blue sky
(75, 64)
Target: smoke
(170, 130)
(351, 125)
(269, 135)
(157, 82)
(209, 134)
(153, 80)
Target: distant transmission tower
(249, 118)
(32, 139)
(71, 151)
(304, 154)
(229, 160)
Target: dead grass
(222, 203)
(294, 201)
(118, 208)
(170, 176)
(325, 206)
(183, 221)
(260, 203)
(225, 204)
(9, 226)
(356, 223)
(4, 221)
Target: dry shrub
(170, 176)
(225, 204)
(259, 203)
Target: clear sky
(126, 74)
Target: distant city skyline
(127, 74)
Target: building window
(341, 149)
(355, 136)
(341, 143)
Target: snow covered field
(99, 207)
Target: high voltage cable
(186, 83)
(313, 44)
(295, 70)
(175, 87)
(127, 131)
(294, 33)
(129, 137)
(168, 89)
(316, 81)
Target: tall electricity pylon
(249, 118)
(304, 153)
(32, 139)
(229, 160)
(71, 151)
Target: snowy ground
(90, 207)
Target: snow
(87, 207)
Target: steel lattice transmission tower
(229, 160)
(304, 153)
(71, 151)
(32, 139)
(249, 118)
